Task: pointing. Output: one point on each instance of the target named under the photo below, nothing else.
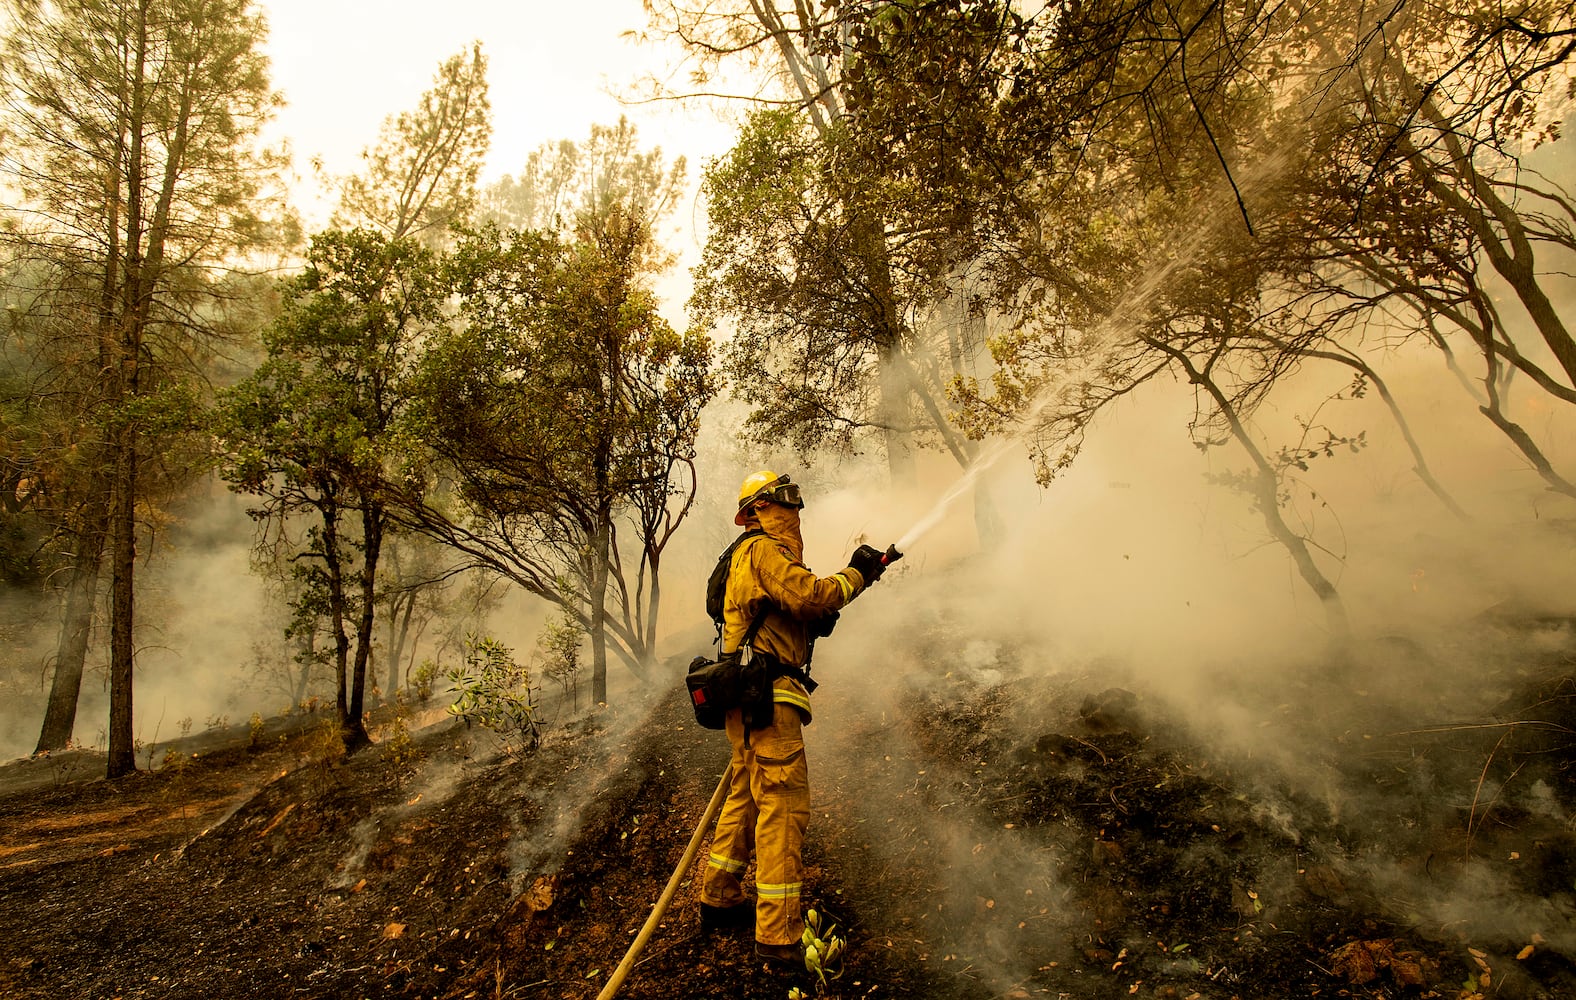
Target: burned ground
(1005, 832)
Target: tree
(317, 429)
(607, 171)
(338, 362)
(419, 179)
(1096, 149)
(566, 406)
(132, 131)
(562, 401)
(415, 579)
(832, 291)
(1425, 163)
(49, 391)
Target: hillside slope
(1002, 831)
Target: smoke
(1136, 570)
(428, 790)
(28, 637)
(599, 770)
(210, 639)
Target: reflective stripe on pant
(768, 808)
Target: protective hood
(782, 525)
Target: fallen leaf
(1525, 953)
(1406, 971)
(392, 930)
(1355, 962)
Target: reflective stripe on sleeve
(848, 588)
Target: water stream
(1127, 314)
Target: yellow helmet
(766, 485)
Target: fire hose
(622, 972)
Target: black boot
(726, 918)
(790, 955)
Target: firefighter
(768, 803)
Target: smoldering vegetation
(1021, 813)
(1149, 756)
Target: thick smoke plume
(1135, 571)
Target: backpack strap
(779, 668)
(726, 559)
(755, 625)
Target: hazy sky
(345, 65)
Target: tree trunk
(308, 656)
(123, 559)
(892, 416)
(336, 614)
(653, 606)
(372, 544)
(1499, 228)
(1528, 447)
(123, 516)
(397, 646)
(1266, 490)
(987, 519)
(598, 609)
(65, 687)
(892, 375)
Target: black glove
(867, 560)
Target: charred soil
(1003, 831)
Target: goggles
(782, 491)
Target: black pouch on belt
(733, 680)
(713, 688)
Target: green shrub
(559, 645)
(423, 678)
(494, 691)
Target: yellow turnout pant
(767, 809)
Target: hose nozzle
(890, 556)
